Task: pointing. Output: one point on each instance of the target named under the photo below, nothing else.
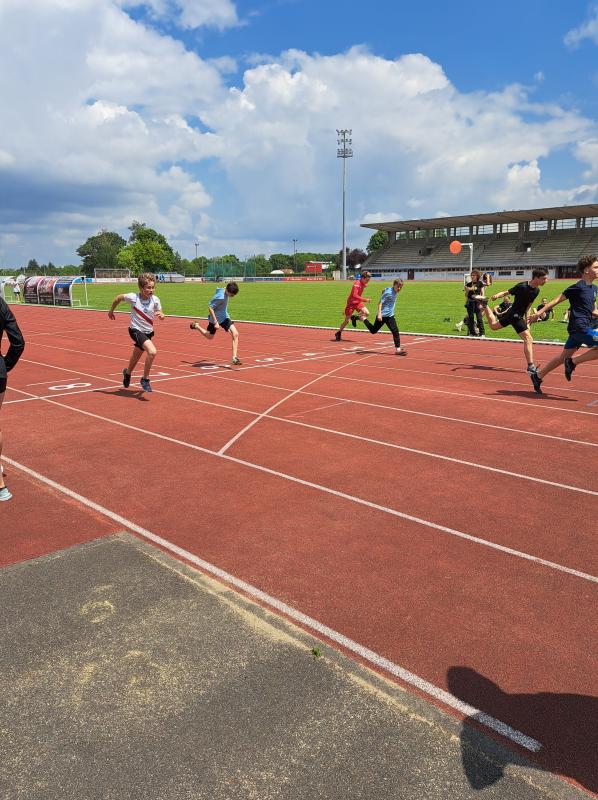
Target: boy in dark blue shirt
(583, 318)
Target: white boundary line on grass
(368, 655)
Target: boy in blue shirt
(385, 315)
(583, 318)
(218, 318)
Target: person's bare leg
(197, 327)
(150, 354)
(554, 363)
(587, 355)
(528, 346)
(493, 323)
(235, 340)
(135, 356)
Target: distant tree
(356, 257)
(377, 241)
(280, 261)
(147, 251)
(32, 267)
(100, 251)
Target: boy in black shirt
(16, 346)
(583, 318)
(524, 294)
(474, 297)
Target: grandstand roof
(491, 218)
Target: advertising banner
(30, 290)
(62, 292)
(45, 291)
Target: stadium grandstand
(506, 244)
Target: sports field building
(507, 244)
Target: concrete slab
(127, 674)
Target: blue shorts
(589, 337)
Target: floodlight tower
(344, 151)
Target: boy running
(583, 317)
(524, 294)
(355, 302)
(385, 315)
(218, 318)
(145, 306)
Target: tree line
(149, 251)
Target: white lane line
(402, 410)
(335, 432)
(309, 622)
(336, 493)
(309, 411)
(478, 397)
(284, 399)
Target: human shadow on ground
(131, 394)
(534, 394)
(201, 364)
(565, 725)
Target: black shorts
(515, 320)
(224, 325)
(3, 383)
(139, 337)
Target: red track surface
(354, 428)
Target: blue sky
(214, 120)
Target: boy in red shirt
(355, 303)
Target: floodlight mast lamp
(344, 151)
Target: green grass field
(421, 307)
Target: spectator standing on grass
(356, 302)
(474, 293)
(145, 307)
(385, 315)
(218, 318)
(583, 318)
(524, 293)
(8, 325)
(16, 289)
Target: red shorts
(350, 309)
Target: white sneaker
(4, 494)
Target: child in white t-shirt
(145, 306)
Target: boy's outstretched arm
(534, 317)
(118, 299)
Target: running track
(428, 514)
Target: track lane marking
(528, 742)
(336, 493)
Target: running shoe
(537, 382)
(569, 367)
(337, 336)
(193, 325)
(145, 385)
(236, 361)
(531, 369)
(4, 494)
(126, 378)
(399, 352)
(354, 321)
